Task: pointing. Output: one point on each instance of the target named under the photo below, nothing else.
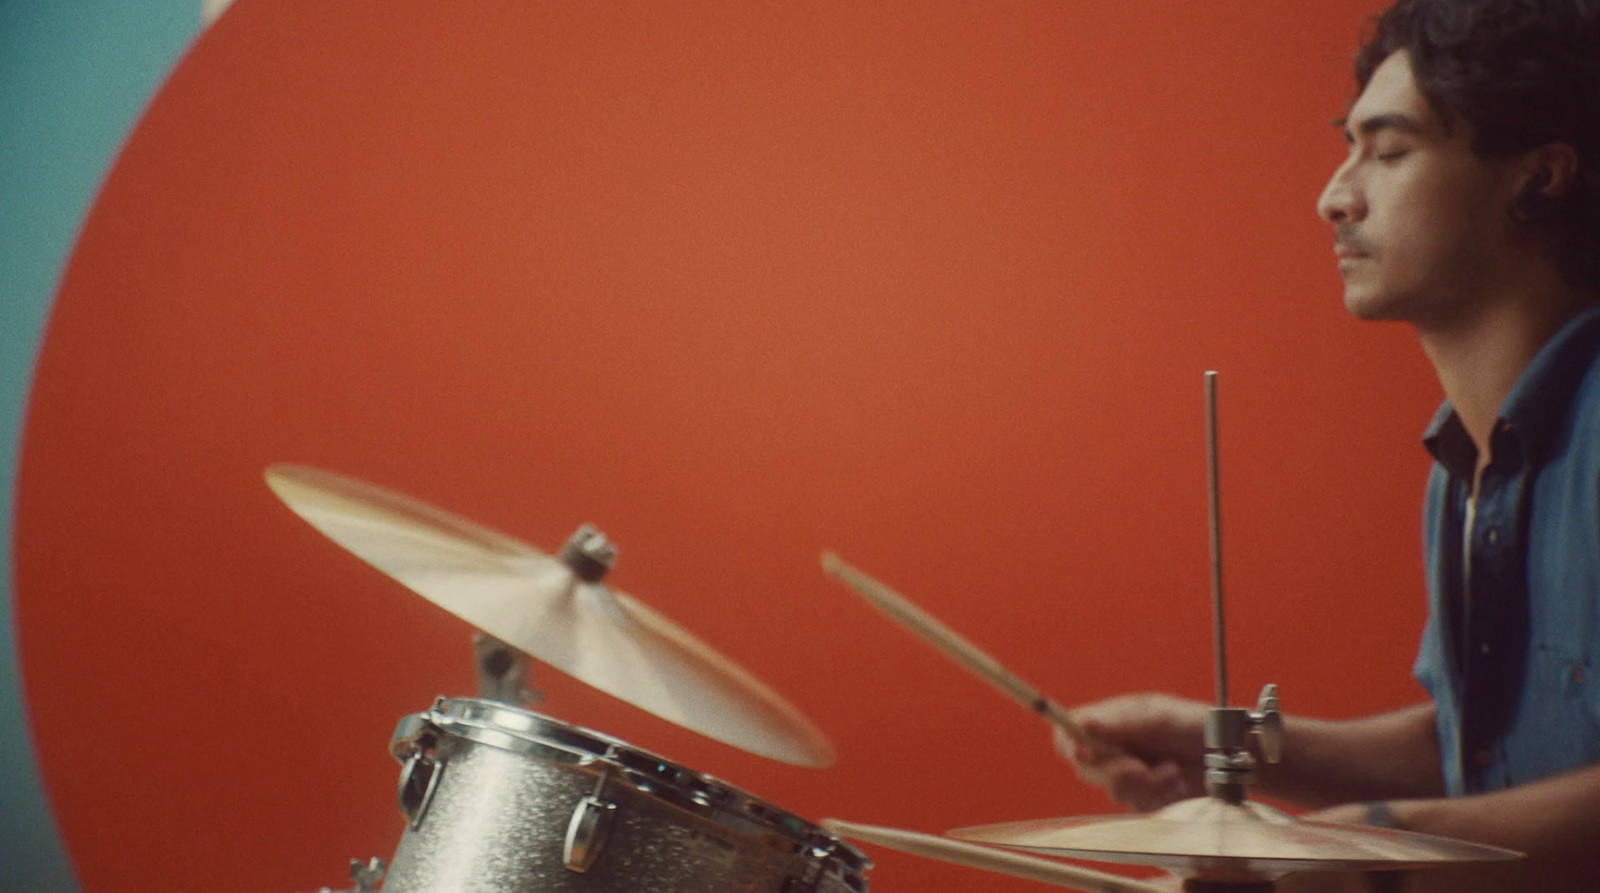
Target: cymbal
(972, 855)
(1210, 838)
(555, 610)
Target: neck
(1479, 356)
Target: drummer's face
(1420, 220)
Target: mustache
(1345, 237)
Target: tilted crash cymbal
(1211, 838)
(555, 609)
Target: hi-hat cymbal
(1213, 839)
(555, 610)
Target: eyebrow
(1376, 123)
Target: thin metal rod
(1216, 540)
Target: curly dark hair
(1522, 74)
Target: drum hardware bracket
(589, 828)
(1229, 764)
(588, 553)
(366, 875)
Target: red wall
(931, 284)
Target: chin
(1360, 307)
(1373, 306)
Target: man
(1468, 206)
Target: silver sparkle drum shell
(490, 793)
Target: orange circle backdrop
(930, 284)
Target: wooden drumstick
(959, 852)
(947, 640)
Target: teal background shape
(74, 79)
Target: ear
(1550, 170)
(1546, 174)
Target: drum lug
(366, 876)
(810, 878)
(418, 780)
(586, 833)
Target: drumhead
(544, 737)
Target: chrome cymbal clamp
(1229, 764)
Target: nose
(1341, 201)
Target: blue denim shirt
(1511, 659)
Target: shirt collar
(1446, 438)
(1537, 403)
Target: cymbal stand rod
(504, 673)
(1216, 540)
(1229, 763)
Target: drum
(501, 799)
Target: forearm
(1390, 756)
(1556, 822)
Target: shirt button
(1576, 674)
(1484, 648)
(1483, 758)
(1494, 536)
